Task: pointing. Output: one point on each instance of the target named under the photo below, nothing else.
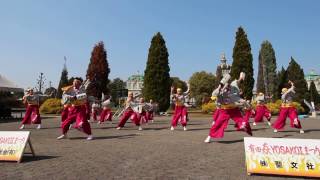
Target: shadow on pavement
(287, 135)
(199, 129)
(230, 142)
(310, 130)
(146, 128)
(189, 124)
(103, 127)
(50, 127)
(281, 176)
(106, 137)
(30, 158)
(10, 120)
(157, 122)
(259, 129)
(231, 130)
(234, 130)
(296, 131)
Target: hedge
(51, 106)
(273, 107)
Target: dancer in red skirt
(287, 110)
(215, 114)
(65, 112)
(215, 99)
(141, 109)
(106, 114)
(229, 96)
(129, 113)
(66, 104)
(150, 111)
(32, 114)
(95, 110)
(261, 110)
(77, 112)
(180, 111)
(248, 111)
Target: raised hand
(242, 76)
(290, 82)
(172, 88)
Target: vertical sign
(12, 145)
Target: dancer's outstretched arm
(188, 90)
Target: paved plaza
(154, 153)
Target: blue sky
(37, 34)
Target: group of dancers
(78, 108)
(230, 103)
(138, 112)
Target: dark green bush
(7, 101)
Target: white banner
(12, 144)
(291, 157)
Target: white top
(287, 97)
(180, 99)
(80, 94)
(260, 99)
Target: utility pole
(40, 81)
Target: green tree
(157, 81)
(296, 75)
(260, 82)
(313, 93)
(115, 87)
(242, 62)
(201, 85)
(176, 82)
(282, 80)
(98, 70)
(267, 75)
(63, 81)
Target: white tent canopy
(7, 85)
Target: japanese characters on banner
(12, 144)
(291, 157)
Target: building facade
(134, 84)
(313, 76)
(225, 67)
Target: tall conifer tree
(296, 75)
(242, 62)
(267, 75)
(157, 80)
(98, 70)
(282, 81)
(63, 80)
(260, 82)
(314, 95)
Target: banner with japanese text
(283, 156)
(12, 144)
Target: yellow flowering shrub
(51, 106)
(274, 107)
(208, 107)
